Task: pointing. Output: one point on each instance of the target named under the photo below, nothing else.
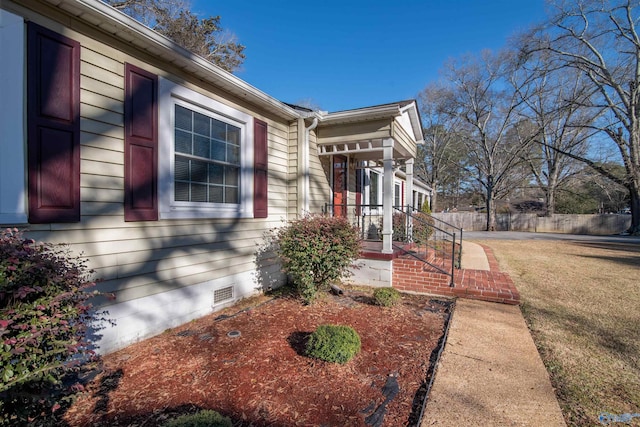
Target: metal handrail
(452, 236)
(370, 228)
(458, 230)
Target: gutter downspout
(305, 162)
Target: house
(164, 170)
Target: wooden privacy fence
(560, 223)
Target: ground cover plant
(386, 297)
(581, 301)
(263, 376)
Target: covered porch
(370, 153)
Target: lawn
(248, 362)
(582, 303)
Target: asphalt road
(523, 235)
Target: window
(206, 156)
(396, 196)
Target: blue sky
(348, 54)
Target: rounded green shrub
(334, 343)
(316, 251)
(386, 297)
(206, 418)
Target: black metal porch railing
(426, 241)
(417, 234)
(366, 218)
(451, 229)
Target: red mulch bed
(263, 378)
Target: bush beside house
(45, 321)
(316, 251)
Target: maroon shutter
(260, 181)
(53, 135)
(140, 145)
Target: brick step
(413, 275)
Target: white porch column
(409, 196)
(387, 196)
(409, 186)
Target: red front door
(339, 186)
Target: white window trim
(397, 186)
(367, 192)
(171, 93)
(13, 179)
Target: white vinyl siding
(154, 262)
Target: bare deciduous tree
(486, 105)
(174, 19)
(600, 39)
(440, 158)
(552, 106)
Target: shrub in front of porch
(317, 251)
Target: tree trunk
(491, 206)
(491, 213)
(491, 216)
(434, 200)
(551, 203)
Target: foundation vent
(222, 295)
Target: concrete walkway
(490, 372)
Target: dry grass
(582, 303)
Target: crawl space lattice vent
(223, 294)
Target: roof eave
(363, 114)
(116, 24)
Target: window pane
(231, 176)
(215, 194)
(219, 130)
(216, 174)
(231, 195)
(182, 169)
(182, 192)
(198, 193)
(200, 146)
(218, 150)
(373, 189)
(183, 118)
(233, 135)
(201, 124)
(183, 142)
(233, 154)
(198, 171)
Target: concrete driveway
(523, 235)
